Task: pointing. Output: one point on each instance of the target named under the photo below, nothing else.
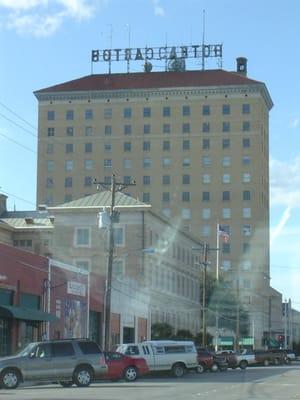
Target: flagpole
(217, 280)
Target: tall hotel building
(195, 142)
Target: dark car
(231, 358)
(65, 361)
(209, 361)
(122, 366)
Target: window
(246, 248)
(50, 131)
(246, 230)
(146, 197)
(226, 265)
(127, 179)
(147, 112)
(186, 128)
(127, 146)
(185, 179)
(226, 109)
(127, 113)
(246, 284)
(50, 115)
(206, 178)
(206, 230)
(82, 237)
(166, 179)
(246, 126)
(246, 108)
(246, 160)
(205, 196)
(166, 196)
(49, 182)
(69, 115)
(206, 213)
(107, 130)
(166, 212)
(146, 180)
(206, 110)
(186, 162)
(246, 143)
(246, 195)
(107, 180)
(69, 148)
(247, 212)
(226, 126)
(119, 236)
(205, 144)
(146, 146)
(166, 111)
(69, 165)
(69, 131)
(166, 128)
(127, 163)
(166, 162)
(88, 164)
(63, 349)
(185, 196)
(68, 182)
(89, 347)
(246, 265)
(50, 166)
(226, 195)
(186, 111)
(205, 127)
(107, 147)
(108, 113)
(246, 177)
(186, 213)
(166, 145)
(88, 131)
(50, 148)
(147, 162)
(226, 178)
(127, 129)
(107, 163)
(226, 213)
(226, 161)
(206, 161)
(226, 248)
(147, 129)
(185, 145)
(89, 114)
(118, 268)
(88, 147)
(87, 181)
(225, 143)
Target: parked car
(121, 366)
(289, 356)
(267, 357)
(230, 357)
(64, 361)
(241, 360)
(209, 361)
(164, 355)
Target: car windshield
(27, 350)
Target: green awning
(28, 314)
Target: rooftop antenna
(128, 61)
(110, 37)
(166, 61)
(203, 41)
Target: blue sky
(44, 42)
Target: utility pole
(237, 333)
(114, 187)
(205, 263)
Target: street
(256, 383)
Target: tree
(161, 330)
(184, 334)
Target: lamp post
(113, 188)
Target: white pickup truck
(245, 358)
(164, 355)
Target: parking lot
(254, 383)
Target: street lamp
(113, 215)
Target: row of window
(206, 161)
(186, 214)
(147, 112)
(165, 145)
(166, 128)
(186, 196)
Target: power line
(18, 116)
(18, 143)
(17, 197)
(18, 125)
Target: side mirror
(32, 354)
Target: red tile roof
(151, 80)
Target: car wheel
(266, 363)
(83, 376)
(178, 370)
(214, 368)
(243, 364)
(130, 374)
(66, 383)
(200, 369)
(10, 379)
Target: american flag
(223, 234)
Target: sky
(45, 42)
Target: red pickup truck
(208, 361)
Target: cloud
(158, 9)
(285, 182)
(283, 220)
(42, 18)
(295, 123)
